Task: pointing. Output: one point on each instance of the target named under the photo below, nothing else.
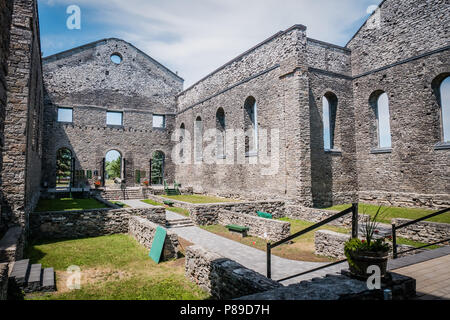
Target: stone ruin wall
(255, 73)
(415, 173)
(304, 68)
(22, 152)
(86, 80)
(5, 24)
(333, 176)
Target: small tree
(63, 164)
(113, 168)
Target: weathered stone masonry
(5, 25)
(403, 57)
(22, 141)
(406, 55)
(87, 81)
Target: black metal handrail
(395, 228)
(353, 209)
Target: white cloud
(197, 36)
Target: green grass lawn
(113, 267)
(196, 198)
(395, 212)
(68, 204)
(301, 249)
(181, 211)
(119, 202)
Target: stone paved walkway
(431, 269)
(249, 257)
(136, 203)
(432, 278)
(253, 258)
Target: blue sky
(197, 36)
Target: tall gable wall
(86, 80)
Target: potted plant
(97, 184)
(367, 252)
(145, 182)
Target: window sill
(114, 126)
(221, 157)
(442, 146)
(159, 129)
(64, 122)
(333, 152)
(251, 154)
(381, 150)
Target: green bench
(120, 204)
(242, 231)
(168, 203)
(264, 215)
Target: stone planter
(361, 261)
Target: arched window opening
(182, 135)
(198, 139)
(251, 126)
(157, 168)
(329, 107)
(64, 168)
(113, 168)
(220, 135)
(444, 90)
(380, 103)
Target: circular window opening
(116, 58)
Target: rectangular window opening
(159, 121)
(114, 118)
(65, 115)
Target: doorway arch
(64, 168)
(157, 168)
(113, 167)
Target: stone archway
(113, 168)
(64, 168)
(157, 168)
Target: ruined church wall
(406, 28)
(415, 171)
(23, 117)
(271, 73)
(5, 25)
(86, 80)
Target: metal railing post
(269, 271)
(394, 241)
(355, 220)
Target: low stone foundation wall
(412, 200)
(424, 231)
(223, 278)
(153, 214)
(144, 231)
(340, 287)
(11, 245)
(268, 229)
(89, 223)
(317, 215)
(207, 214)
(3, 281)
(331, 244)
